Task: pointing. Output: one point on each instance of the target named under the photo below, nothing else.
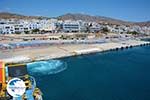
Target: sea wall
(55, 52)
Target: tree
(133, 33)
(26, 32)
(35, 30)
(43, 31)
(18, 32)
(105, 30)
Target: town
(74, 49)
(55, 38)
(41, 26)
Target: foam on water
(46, 67)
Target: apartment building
(71, 26)
(6, 29)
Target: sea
(112, 75)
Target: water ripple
(46, 67)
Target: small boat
(9, 72)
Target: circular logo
(16, 87)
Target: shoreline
(63, 51)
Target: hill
(70, 16)
(6, 15)
(100, 19)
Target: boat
(19, 71)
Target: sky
(128, 10)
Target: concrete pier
(60, 51)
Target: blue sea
(114, 75)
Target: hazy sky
(130, 10)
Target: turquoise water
(48, 67)
(116, 75)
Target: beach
(31, 54)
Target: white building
(71, 26)
(48, 25)
(95, 27)
(6, 29)
(10, 26)
(14, 26)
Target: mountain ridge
(76, 16)
(7, 15)
(98, 19)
